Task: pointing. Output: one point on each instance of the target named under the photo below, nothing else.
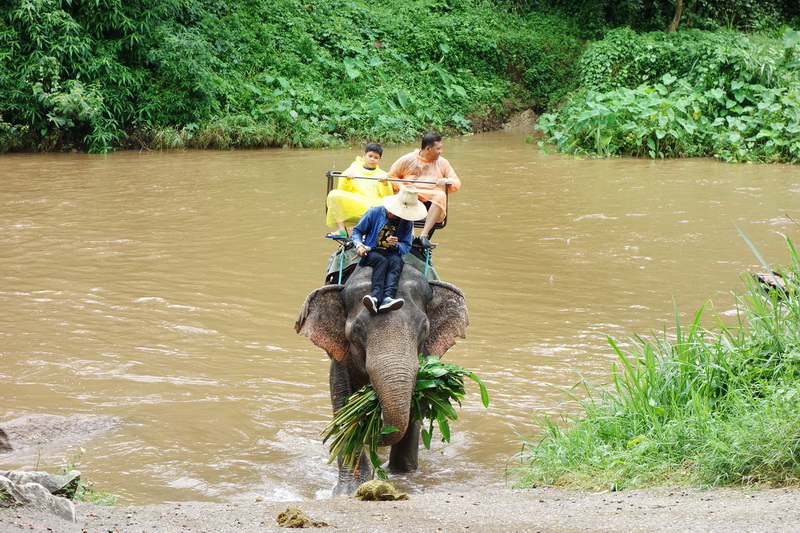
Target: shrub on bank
(730, 96)
(711, 406)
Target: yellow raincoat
(352, 197)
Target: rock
(773, 280)
(5, 446)
(61, 485)
(294, 517)
(35, 494)
(38, 430)
(377, 490)
(35, 432)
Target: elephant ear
(322, 319)
(447, 315)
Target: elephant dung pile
(295, 518)
(379, 491)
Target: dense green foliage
(100, 74)
(594, 17)
(706, 406)
(104, 74)
(693, 93)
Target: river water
(162, 288)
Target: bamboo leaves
(357, 427)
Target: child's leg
(379, 265)
(394, 269)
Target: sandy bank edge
(544, 510)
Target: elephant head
(383, 349)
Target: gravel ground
(494, 511)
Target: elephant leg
(349, 481)
(404, 456)
(341, 388)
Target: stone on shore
(19, 488)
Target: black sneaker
(371, 303)
(425, 242)
(391, 304)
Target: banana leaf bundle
(437, 385)
(357, 426)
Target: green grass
(701, 406)
(84, 488)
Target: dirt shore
(533, 510)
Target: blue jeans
(386, 266)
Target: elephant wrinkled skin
(383, 350)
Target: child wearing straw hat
(382, 237)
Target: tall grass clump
(704, 406)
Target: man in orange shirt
(427, 164)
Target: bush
(542, 57)
(11, 136)
(726, 95)
(594, 17)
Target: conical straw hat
(405, 204)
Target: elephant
(382, 349)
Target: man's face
(371, 159)
(432, 153)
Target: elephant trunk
(394, 376)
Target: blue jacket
(367, 230)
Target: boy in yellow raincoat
(352, 197)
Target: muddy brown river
(162, 288)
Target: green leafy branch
(437, 385)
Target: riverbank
(542, 509)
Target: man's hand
(362, 250)
(441, 182)
(392, 240)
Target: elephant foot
(346, 488)
(349, 482)
(402, 467)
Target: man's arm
(449, 175)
